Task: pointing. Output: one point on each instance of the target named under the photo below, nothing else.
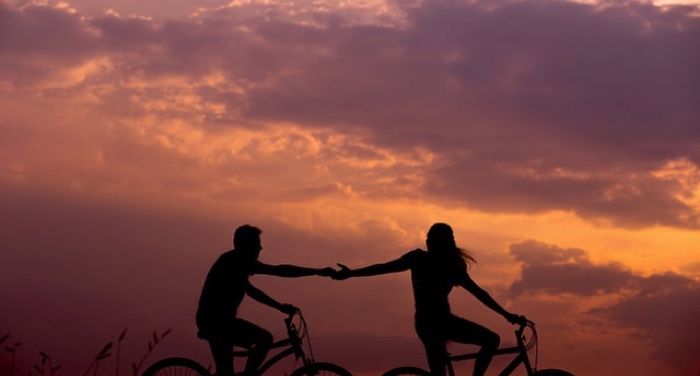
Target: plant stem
(119, 347)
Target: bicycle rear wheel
(553, 372)
(321, 369)
(176, 367)
(406, 371)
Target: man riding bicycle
(224, 288)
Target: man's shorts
(235, 331)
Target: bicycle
(292, 345)
(521, 349)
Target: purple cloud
(551, 269)
(667, 315)
(529, 106)
(662, 308)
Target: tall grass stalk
(103, 354)
(151, 346)
(13, 351)
(119, 348)
(47, 368)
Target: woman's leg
(465, 331)
(435, 349)
(437, 357)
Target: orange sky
(559, 139)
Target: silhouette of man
(224, 288)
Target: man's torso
(224, 289)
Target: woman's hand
(343, 273)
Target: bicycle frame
(297, 343)
(520, 349)
(292, 344)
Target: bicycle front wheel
(553, 372)
(321, 369)
(406, 371)
(176, 366)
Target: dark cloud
(117, 33)
(551, 269)
(534, 252)
(43, 30)
(666, 314)
(37, 42)
(628, 198)
(662, 308)
(533, 106)
(530, 106)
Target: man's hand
(343, 273)
(289, 309)
(516, 319)
(327, 272)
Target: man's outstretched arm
(263, 298)
(292, 271)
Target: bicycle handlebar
(296, 331)
(290, 317)
(522, 324)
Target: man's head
(247, 239)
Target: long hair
(441, 240)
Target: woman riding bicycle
(433, 274)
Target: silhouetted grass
(119, 347)
(13, 352)
(46, 366)
(151, 345)
(103, 354)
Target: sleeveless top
(432, 283)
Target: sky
(560, 139)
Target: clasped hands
(342, 273)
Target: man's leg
(222, 352)
(465, 331)
(254, 338)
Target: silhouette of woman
(433, 275)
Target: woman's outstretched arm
(395, 266)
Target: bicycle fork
(521, 358)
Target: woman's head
(441, 240)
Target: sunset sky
(560, 139)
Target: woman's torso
(432, 278)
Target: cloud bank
(526, 107)
(660, 308)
